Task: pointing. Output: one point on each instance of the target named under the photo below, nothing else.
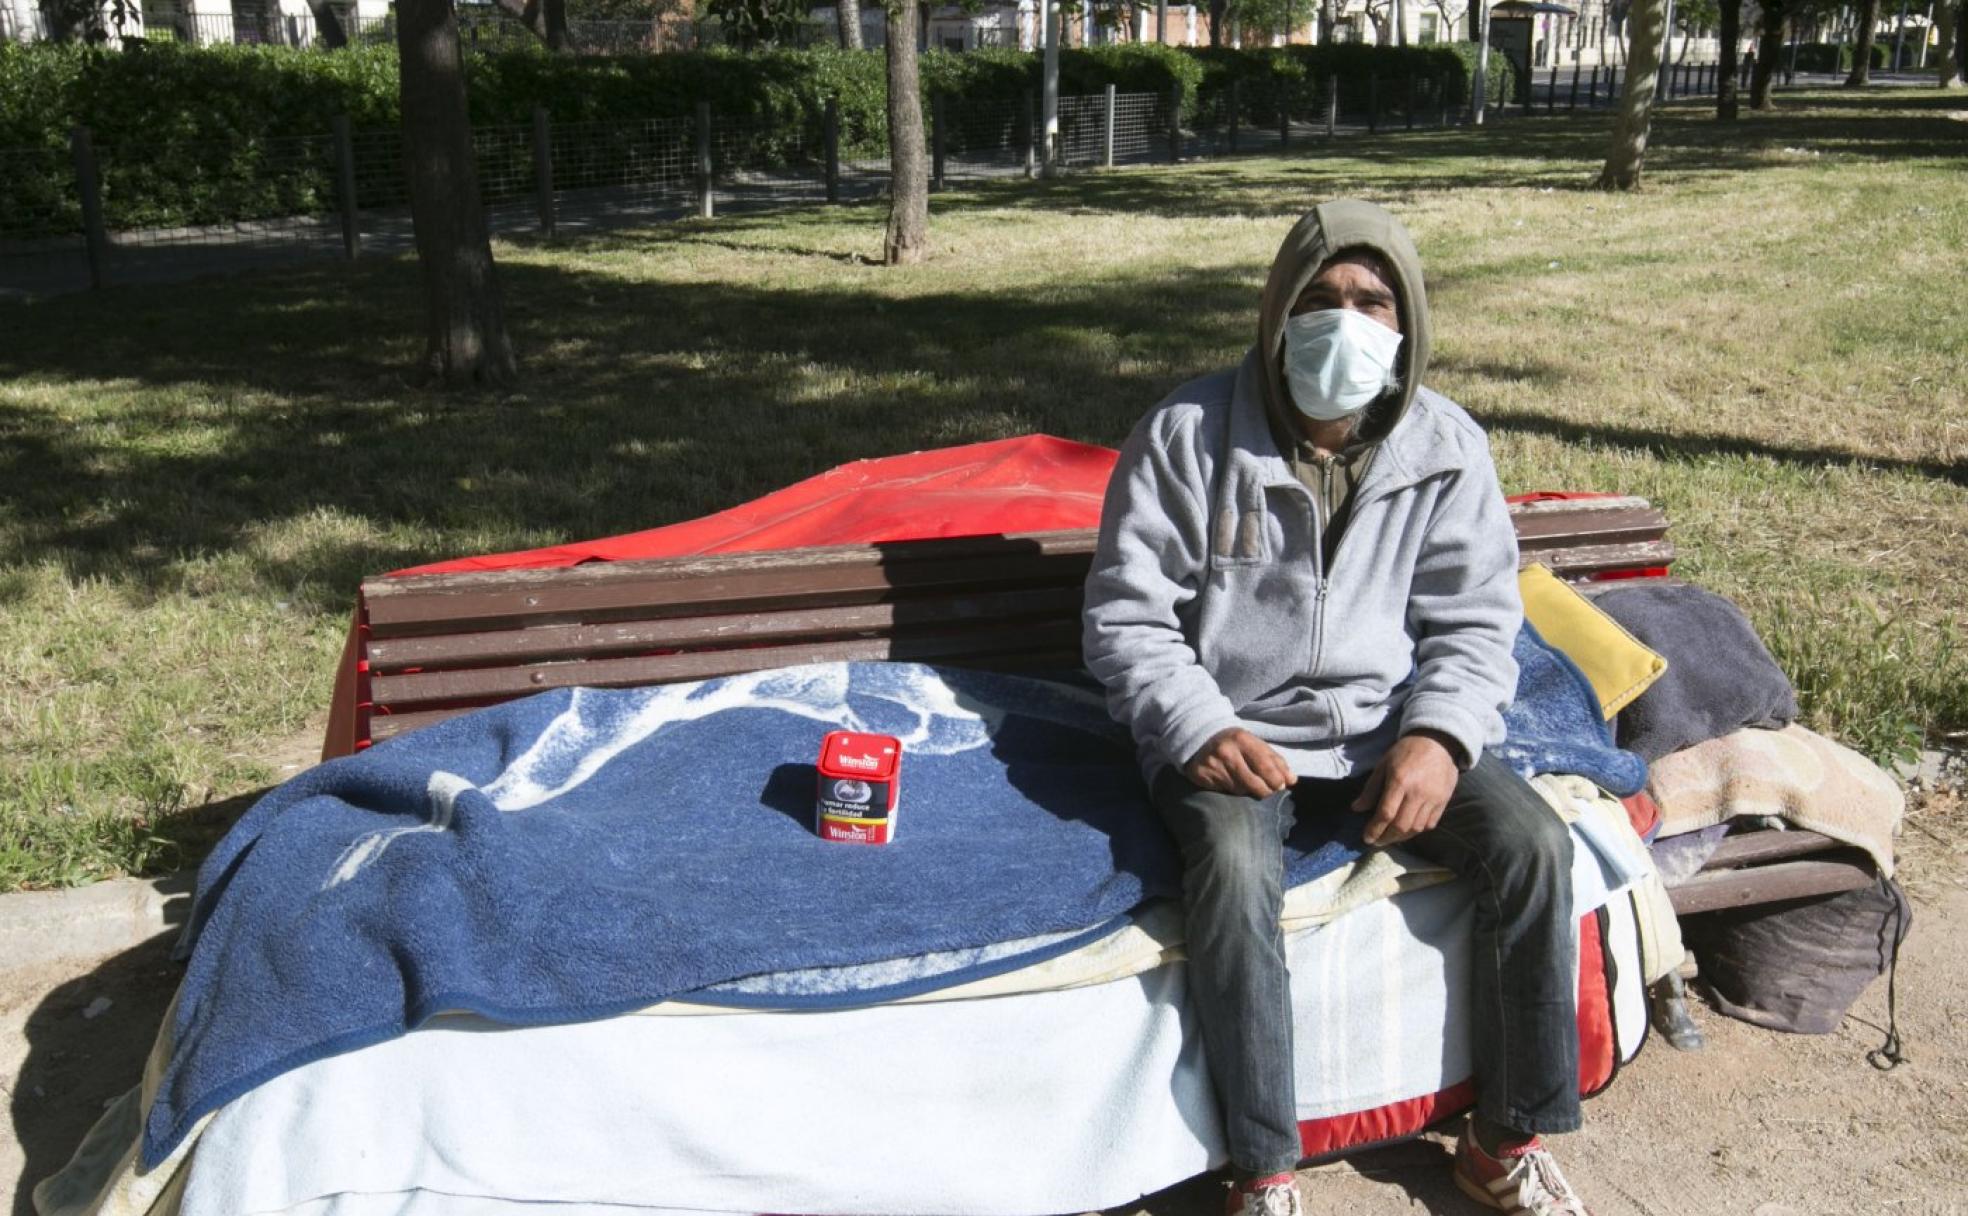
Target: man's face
(1356, 280)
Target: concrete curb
(42, 927)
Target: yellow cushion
(1617, 665)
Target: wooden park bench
(437, 645)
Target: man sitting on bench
(1303, 602)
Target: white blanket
(1075, 1099)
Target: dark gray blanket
(1720, 678)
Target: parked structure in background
(1536, 34)
(481, 23)
(1583, 31)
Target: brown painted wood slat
(484, 684)
(1564, 531)
(1713, 890)
(1584, 560)
(388, 726)
(550, 642)
(1766, 845)
(643, 590)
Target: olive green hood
(1326, 230)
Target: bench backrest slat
(439, 645)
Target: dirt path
(1759, 1124)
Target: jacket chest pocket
(1272, 525)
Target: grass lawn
(1770, 341)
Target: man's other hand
(1408, 789)
(1235, 761)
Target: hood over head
(1326, 230)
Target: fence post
(543, 169)
(1530, 91)
(1551, 90)
(1236, 104)
(1107, 129)
(1031, 116)
(1572, 103)
(831, 136)
(1373, 104)
(1332, 104)
(1175, 124)
(345, 187)
(89, 183)
(1284, 116)
(1411, 102)
(936, 141)
(706, 207)
(1592, 98)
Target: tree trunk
(1862, 54)
(848, 14)
(1645, 23)
(328, 23)
(1947, 69)
(908, 210)
(465, 340)
(1945, 74)
(1218, 8)
(544, 19)
(1726, 105)
(1769, 49)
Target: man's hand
(1235, 761)
(1408, 788)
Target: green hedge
(191, 135)
(1837, 56)
(1297, 77)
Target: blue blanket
(1555, 724)
(579, 854)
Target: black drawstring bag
(1799, 965)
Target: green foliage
(195, 135)
(1292, 74)
(619, 10)
(1837, 56)
(754, 23)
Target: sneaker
(1524, 1180)
(1273, 1196)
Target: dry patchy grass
(1768, 341)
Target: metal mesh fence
(643, 164)
(986, 139)
(377, 157)
(223, 193)
(1140, 128)
(227, 199)
(39, 198)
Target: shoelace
(1541, 1186)
(1277, 1201)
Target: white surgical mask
(1337, 361)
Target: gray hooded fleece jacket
(1210, 606)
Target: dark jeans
(1496, 832)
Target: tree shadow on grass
(643, 403)
(1559, 152)
(1684, 446)
(245, 405)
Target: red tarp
(1034, 483)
